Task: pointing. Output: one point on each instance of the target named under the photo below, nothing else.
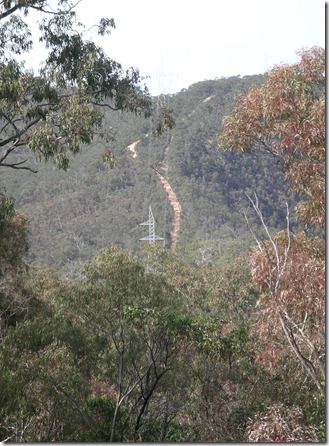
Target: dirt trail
(176, 207)
(132, 150)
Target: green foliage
(13, 235)
(181, 334)
(6, 209)
(45, 370)
(157, 430)
(74, 126)
(286, 117)
(72, 213)
(102, 410)
(14, 294)
(53, 114)
(150, 345)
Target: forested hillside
(217, 336)
(74, 214)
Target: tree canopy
(286, 117)
(169, 345)
(56, 111)
(72, 215)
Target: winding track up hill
(176, 207)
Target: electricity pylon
(151, 238)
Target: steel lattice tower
(151, 238)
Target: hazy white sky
(180, 42)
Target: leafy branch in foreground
(56, 112)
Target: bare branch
(253, 233)
(16, 138)
(19, 166)
(9, 11)
(280, 266)
(273, 281)
(308, 365)
(8, 151)
(303, 336)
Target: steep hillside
(74, 214)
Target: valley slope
(74, 214)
